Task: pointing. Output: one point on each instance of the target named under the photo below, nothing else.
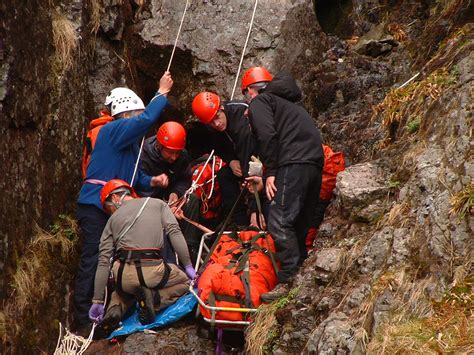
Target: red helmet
(205, 106)
(172, 135)
(115, 186)
(255, 75)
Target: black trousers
(192, 235)
(291, 212)
(92, 221)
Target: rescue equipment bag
(208, 191)
(333, 164)
(94, 127)
(241, 268)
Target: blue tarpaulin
(183, 306)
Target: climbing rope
(194, 184)
(177, 35)
(167, 69)
(245, 47)
(213, 176)
(138, 160)
(71, 343)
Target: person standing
(234, 143)
(289, 145)
(114, 156)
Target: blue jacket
(116, 151)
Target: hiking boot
(111, 321)
(146, 311)
(280, 290)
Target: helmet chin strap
(118, 204)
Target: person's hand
(166, 83)
(172, 198)
(253, 220)
(255, 167)
(160, 181)
(235, 167)
(178, 212)
(96, 312)
(254, 181)
(189, 270)
(270, 187)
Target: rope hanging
(245, 47)
(167, 69)
(138, 160)
(71, 343)
(177, 36)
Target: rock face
(212, 40)
(358, 187)
(410, 157)
(43, 105)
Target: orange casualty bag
(333, 164)
(209, 190)
(241, 268)
(94, 127)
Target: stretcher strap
(221, 231)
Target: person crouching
(133, 236)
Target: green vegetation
(394, 184)
(409, 101)
(264, 328)
(41, 285)
(413, 125)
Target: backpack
(333, 164)
(208, 191)
(94, 127)
(240, 270)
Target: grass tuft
(96, 13)
(449, 328)
(406, 104)
(40, 286)
(462, 203)
(264, 328)
(65, 39)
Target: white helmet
(122, 100)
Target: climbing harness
(245, 47)
(194, 186)
(135, 256)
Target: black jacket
(237, 141)
(179, 173)
(285, 131)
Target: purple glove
(96, 312)
(189, 270)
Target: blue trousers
(92, 221)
